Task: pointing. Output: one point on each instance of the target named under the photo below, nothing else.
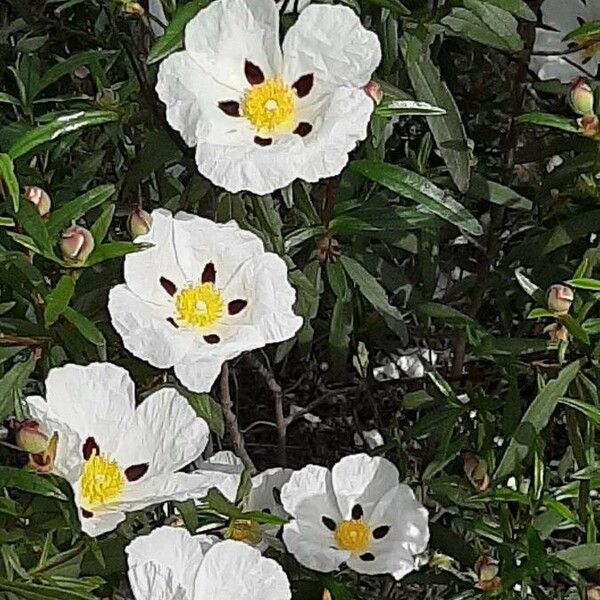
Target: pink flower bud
(30, 437)
(39, 198)
(581, 97)
(139, 222)
(76, 245)
(559, 299)
(374, 91)
(476, 471)
(589, 126)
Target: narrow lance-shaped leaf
(58, 299)
(9, 179)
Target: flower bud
(487, 574)
(476, 471)
(139, 222)
(39, 198)
(581, 97)
(30, 437)
(44, 462)
(76, 245)
(374, 91)
(592, 592)
(326, 594)
(328, 249)
(559, 298)
(557, 333)
(589, 126)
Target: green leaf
(485, 23)
(59, 126)
(172, 38)
(574, 328)
(62, 217)
(517, 7)
(7, 175)
(448, 130)
(536, 417)
(404, 108)
(581, 557)
(530, 288)
(58, 299)
(415, 187)
(591, 412)
(65, 67)
(102, 224)
(12, 383)
(484, 189)
(210, 410)
(548, 120)
(113, 250)
(85, 327)
(444, 313)
(587, 31)
(26, 481)
(35, 226)
(585, 283)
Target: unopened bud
(559, 299)
(39, 198)
(326, 594)
(81, 72)
(557, 333)
(77, 244)
(592, 592)
(30, 437)
(581, 97)
(589, 126)
(476, 471)
(328, 249)
(487, 574)
(374, 91)
(139, 222)
(44, 462)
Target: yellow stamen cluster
(200, 306)
(354, 536)
(245, 530)
(102, 482)
(270, 107)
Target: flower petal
(255, 28)
(562, 15)
(100, 523)
(360, 479)
(255, 576)
(150, 580)
(200, 374)
(265, 494)
(330, 42)
(395, 560)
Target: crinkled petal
(145, 329)
(255, 28)
(255, 576)
(167, 435)
(395, 560)
(562, 15)
(101, 522)
(94, 401)
(265, 494)
(153, 581)
(199, 375)
(143, 270)
(331, 43)
(360, 479)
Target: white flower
(119, 458)
(171, 564)
(259, 115)
(264, 496)
(203, 294)
(372, 437)
(560, 17)
(356, 513)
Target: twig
(330, 192)
(237, 439)
(277, 394)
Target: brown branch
(237, 439)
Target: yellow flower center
(102, 482)
(245, 530)
(200, 306)
(270, 106)
(354, 536)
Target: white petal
(200, 241)
(69, 459)
(94, 401)
(199, 375)
(562, 15)
(399, 562)
(362, 479)
(100, 523)
(167, 434)
(255, 28)
(266, 491)
(256, 577)
(304, 486)
(263, 283)
(155, 582)
(330, 42)
(145, 330)
(144, 269)
(156, 9)
(174, 549)
(225, 463)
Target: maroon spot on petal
(171, 320)
(168, 286)
(209, 274)
(89, 446)
(328, 522)
(263, 141)
(236, 306)
(254, 74)
(212, 339)
(40, 460)
(367, 557)
(381, 532)
(136, 472)
(303, 85)
(230, 107)
(86, 513)
(303, 129)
